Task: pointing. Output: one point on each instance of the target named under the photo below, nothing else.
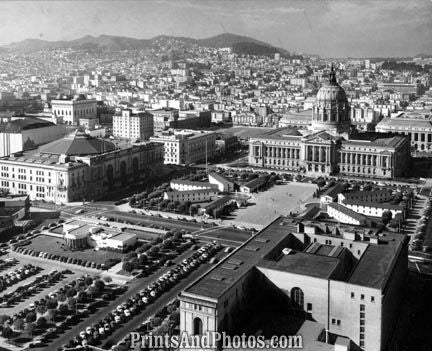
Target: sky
(331, 28)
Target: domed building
(328, 146)
(78, 167)
(331, 110)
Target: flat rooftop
(374, 267)
(246, 257)
(303, 263)
(281, 133)
(372, 270)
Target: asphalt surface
(209, 231)
(150, 310)
(133, 287)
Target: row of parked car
(77, 315)
(417, 243)
(51, 256)
(27, 290)
(137, 303)
(18, 275)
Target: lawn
(53, 245)
(278, 200)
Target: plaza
(281, 199)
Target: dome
(331, 93)
(331, 110)
(77, 144)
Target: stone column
(313, 153)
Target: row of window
(362, 298)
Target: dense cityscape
(213, 194)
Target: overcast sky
(356, 28)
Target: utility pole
(206, 156)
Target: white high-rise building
(134, 126)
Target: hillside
(239, 44)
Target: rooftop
(262, 250)
(303, 263)
(375, 139)
(348, 212)
(374, 268)
(77, 143)
(18, 125)
(280, 133)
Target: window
(362, 308)
(309, 307)
(338, 322)
(352, 295)
(362, 297)
(362, 315)
(297, 297)
(198, 326)
(372, 298)
(333, 321)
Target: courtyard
(280, 199)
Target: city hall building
(345, 278)
(329, 146)
(77, 167)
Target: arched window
(197, 326)
(297, 297)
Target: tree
(71, 292)
(154, 250)
(356, 187)
(3, 319)
(41, 322)
(386, 217)
(88, 281)
(181, 208)
(131, 255)
(63, 309)
(175, 317)
(51, 304)
(19, 324)
(367, 187)
(82, 296)
(29, 328)
(100, 285)
(107, 279)
(155, 321)
(91, 291)
(321, 183)
(71, 303)
(7, 332)
(31, 317)
(41, 309)
(193, 209)
(127, 266)
(61, 297)
(51, 314)
(142, 260)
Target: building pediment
(320, 138)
